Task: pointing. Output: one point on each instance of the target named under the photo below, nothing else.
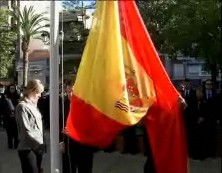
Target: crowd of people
(203, 118)
(26, 114)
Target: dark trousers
(30, 161)
(12, 138)
(12, 133)
(66, 163)
(130, 139)
(81, 157)
(149, 166)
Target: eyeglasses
(208, 84)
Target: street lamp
(46, 37)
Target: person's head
(44, 94)
(33, 90)
(69, 89)
(187, 83)
(11, 91)
(180, 87)
(12, 88)
(208, 84)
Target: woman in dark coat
(10, 101)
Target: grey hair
(33, 86)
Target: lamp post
(46, 37)
(54, 88)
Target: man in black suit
(77, 157)
(64, 104)
(43, 105)
(208, 118)
(190, 114)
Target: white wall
(88, 23)
(37, 70)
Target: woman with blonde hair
(30, 129)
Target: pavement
(103, 162)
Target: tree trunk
(25, 68)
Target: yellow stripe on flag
(109, 78)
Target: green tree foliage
(79, 8)
(29, 25)
(78, 5)
(77, 28)
(7, 46)
(192, 27)
(156, 15)
(75, 32)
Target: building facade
(38, 51)
(38, 67)
(183, 67)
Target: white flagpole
(54, 87)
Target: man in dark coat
(190, 114)
(10, 100)
(43, 105)
(208, 119)
(77, 157)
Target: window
(178, 70)
(193, 69)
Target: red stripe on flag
(87, 125)
(165, 123)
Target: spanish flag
(121, 81)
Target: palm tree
(29, 25)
